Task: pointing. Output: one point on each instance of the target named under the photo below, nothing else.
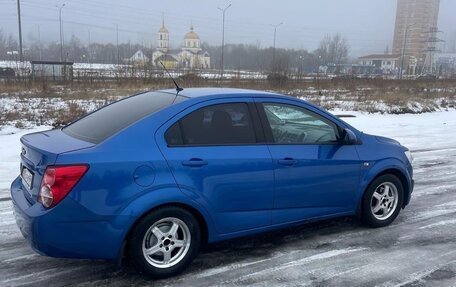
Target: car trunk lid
(39, 150)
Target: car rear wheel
(165, 242)
(382, 201)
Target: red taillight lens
(58, 181)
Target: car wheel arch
(195, 212)
(393, 171)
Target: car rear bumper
(53, 233)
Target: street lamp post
(21, 57)
(223, 39)
(318, 71)
(61, 30)
(274, 45)
(301, 58)
(404, 44)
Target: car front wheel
(165, 242)
(382, 201)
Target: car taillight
(58, 181)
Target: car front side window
(295, 125)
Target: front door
(315, 173)
(214, 154)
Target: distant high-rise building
(416, 24)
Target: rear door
(315, 174)
(220, 159)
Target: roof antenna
(178, 89)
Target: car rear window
(105, 122)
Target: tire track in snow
(305, 260)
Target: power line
(232, 34)
(155, 14)
(243, 25)
(86, 24)
(248, 29)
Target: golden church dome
(191, 35)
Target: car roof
(209, 93)
(201, 92)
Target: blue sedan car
(157, 174)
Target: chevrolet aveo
(157, 174)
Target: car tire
(164, 242)
(382, 201)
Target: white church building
(190, 56)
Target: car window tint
(295, 125)
(173, 135)
(214, 125)
(110, 119)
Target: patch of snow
(305, 260)
(219, 270)
(10, 148)
(440, 223)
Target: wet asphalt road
(418, 249)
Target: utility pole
(274, 47)
(39, 41)
(21, 57)
(88, 46)
(301, 58)
(117, 42)
(223, 39)
(61, 30)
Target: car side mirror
(350, 137)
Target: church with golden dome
(190, 56)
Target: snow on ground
(10, 150)
(15, 65)
(413, 131)
(358, 100)
(29, 112)
(418, 249)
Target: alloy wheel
(166, 242)
(384, 201)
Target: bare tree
(281, 62)
(333, 49)
(11, 43)
(2, 43)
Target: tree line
(333, 49)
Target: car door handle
(194, 162)
(287, 161)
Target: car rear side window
(222, 124)
(112, 118)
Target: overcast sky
(367, 24)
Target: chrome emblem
(23, 152)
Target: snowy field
(418, 249)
